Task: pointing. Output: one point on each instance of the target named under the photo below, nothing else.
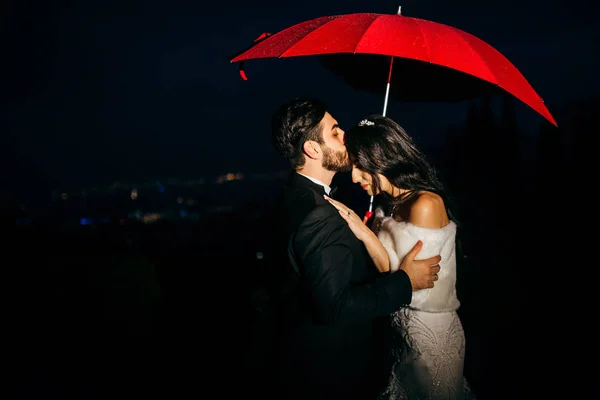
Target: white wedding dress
(428, 341)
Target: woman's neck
(395, 191)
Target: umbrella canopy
(433, 61)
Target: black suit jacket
(330, 295)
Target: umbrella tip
(242, 72)
(399, 10)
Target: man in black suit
(330, 294)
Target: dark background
(137, 172)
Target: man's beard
(337, 161)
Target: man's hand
(422, 273)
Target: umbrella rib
(362, 36)
(311, 32)
(459, 33)
(424, 39)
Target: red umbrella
(433, 61)
(419, 44)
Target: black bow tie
(332, 191)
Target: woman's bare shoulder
(428, 211)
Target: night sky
(97, 91)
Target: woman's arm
(378, 253)
(374, 247)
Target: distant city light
(230, 177)
(150, 217)
(199, 201)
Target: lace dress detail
(428, 351)
(427, 342)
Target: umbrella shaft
(387, 94)
(385, 102)
(387, 89)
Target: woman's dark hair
(379, 145)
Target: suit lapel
(301, 181)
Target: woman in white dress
(428, 341)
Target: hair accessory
(366, 122)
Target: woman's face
(366, 181)
(363, 179)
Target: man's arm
(421, 273)
(322, 246)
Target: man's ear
(312, 149)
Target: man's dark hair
(294, 123)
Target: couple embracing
(364, 311)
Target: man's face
(335, 156)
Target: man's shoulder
(323, 212)
(302, 198)
(305, 205)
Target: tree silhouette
(471, 141)
(453, 159)
(509, 141)
(550, 168)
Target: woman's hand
(377, 252)
(356, 224)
